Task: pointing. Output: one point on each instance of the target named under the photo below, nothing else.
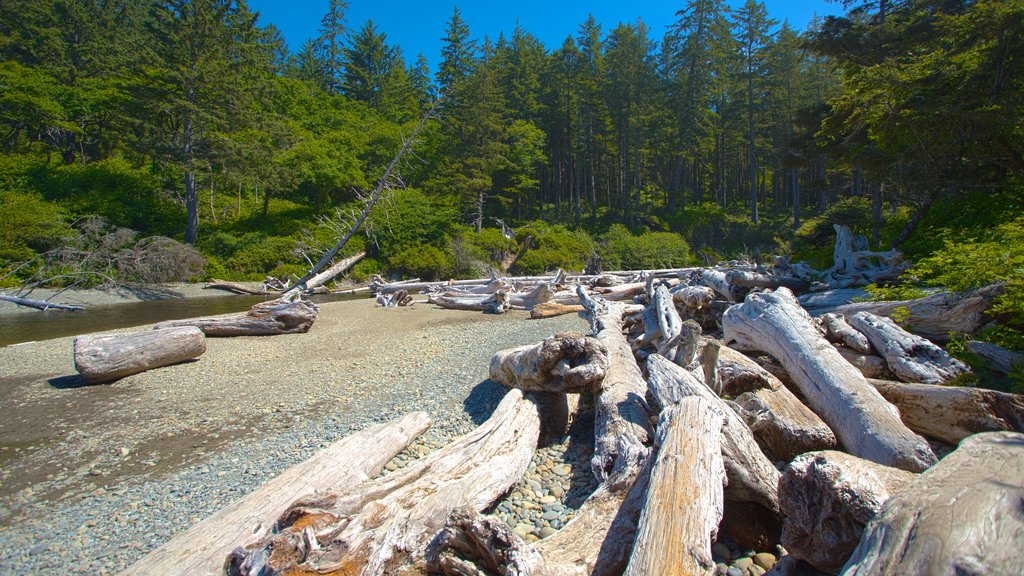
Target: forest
(172, 140)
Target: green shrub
(364, 269)
(715, 232)
(426, 262)
(28, 225)
(409, 218)
(553, 247)
(621, 250)
(258, 255)
(474, 253)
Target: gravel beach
(93, 477)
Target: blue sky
(417, 26)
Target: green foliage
(364, 269)
(28, 225)
(409, 218)
(426, 262)
(622, 250)
(553, 247)
(903, 291)
(715, 232)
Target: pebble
(734, 571)
(764, 560)
(721, 551)
(743, 563)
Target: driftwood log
(870, 366)
(864, 422)
(997, 358)
(837, 330)
(338, 268)
(384, 525)
(827, 499)
(394, 299)
(911, 358)
(855, 265)
(105, 357)
(40, 304)
(495, 303)
(233, 287)
(201, 550)
(622, 429)
(962, 516)
(752, 477)
(717, 281)
(570, 363)
(684, 502)
(952, 413)
(785, 427)
(552, 309)
(693, 296)
(751, 279)
(281, 316)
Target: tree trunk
(496, 303)
(684, 502)
(264, 319)
(191, 197)
(865, 424)
(718, 281)
(693, 296)
(568, 363)
(960, 517)
(552, 309)
(105, 357)
(997, 358)
(785, 427)
(952, 413)
(839, 331)
(384, 525)
(827, 499)
(201, 549)
(911, 358)
(339, 268)
(40, 304)
(749, 279)
(752, 477)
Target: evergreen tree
(753, 29)
(307, 65)
(331, 44)
(457, 54)
(419, 77)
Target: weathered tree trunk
(952, 413)
(839, 331)
(960, 517)
(717, 281)
(752, 477)
(40, 304)
(684, 501)
(827, 499)
(785, 428)
(622, 429)
(337, 269)
(999, 359)
(539, 294)
(552, 309)
(865, 424)
(383, 525)
(496, 303)
(911, 358)
(562, 363)
(201, 550)
(854, 264)
(471, 544)
(270, 318)
(693, 296)
(232, 287)
(394, 299)
(622, 291)
(869, 365)
(105, 357)
(749, 279)
(936, 316)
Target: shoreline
(121, 294)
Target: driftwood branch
(41, 304)
(911, 358)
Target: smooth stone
(721, 569)
(546, 531)
(556, 491)
(743, 563)
(562, 470)
(550, 515)
(720, 550)
(523, 529)
(734, 571)
(756, 570)
(764, 560)
(548, 500)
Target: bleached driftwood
(325, 276)
(785, 427)
(622, 429)
(998, 359)
(40, 304)
(960, 517)
(751, 279)
(394, 299)
(865, 424)
(569, 363)
(684, 502)
(936, 316)
(855, 265)
(539, 294)
(269, 318)
(952, 413)
(870, 366)
(717, 281)
(383, 525)
(554, 308)
(752, 477)
(105, 357)
(201, 549)
(837, 330)
(495, 303)
(622, 291)
(693, 296)
(827, 499)
(233, 287)
(911, 358)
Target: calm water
(29, 326)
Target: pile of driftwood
(693, 435)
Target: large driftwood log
(622, 429)
(839, 331)
(494, 303)
(693, 296)
(865, 424)
(201, 550)
(717, 281)
(911, 358)
(554, 308)
(870, 366)
(854, 264)
(383, 525)
(936, 316)
(752, 477)
(684, 501)
(269, 318)
(998, 359)
(952, 413)
(751, 279)
(962, 516)
(785, 427)
(105, 357)
(570, 363)
(827, 499)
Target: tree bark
(717, 281)
(837, 330)
(496, 303)
(693, 296)
(552, 309)
(952, 413)
(569, 363)
(752, 477)
(384, 525)
(865, 424)
(960, 517)
(684, 502)
(827, 499)
(785, 427)
(749, 279)
(201, 549)
(998, 359)
(911, 358)
(269, 318)
(104, 357)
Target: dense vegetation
(729, 134)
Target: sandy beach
(94, 476)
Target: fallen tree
(911, 358)
(562, 363)
(105, 357)
(864, 422)
(285, 315)
(41, 304)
